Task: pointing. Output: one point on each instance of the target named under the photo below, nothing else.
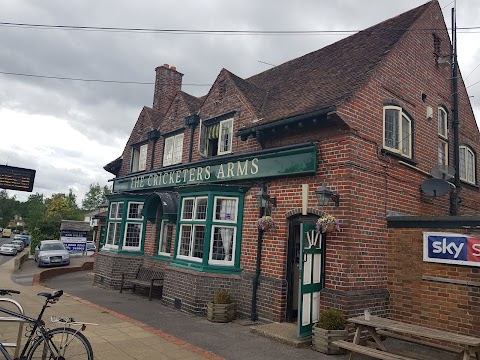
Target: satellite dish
(444, 172)
(435, 187)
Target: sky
(67, 130)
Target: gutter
(257, 130)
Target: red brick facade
(372, 182)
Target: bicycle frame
(38, 324)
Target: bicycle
(53, 344)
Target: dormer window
(139, 158)
(172, 151)
(397, 131)
(216, 138)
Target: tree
(35, 210)
(8, 208)
(95, 196)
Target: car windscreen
(52, 247)
(9, 246)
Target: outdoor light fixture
(324, 195)
(263, 199)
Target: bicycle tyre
(78, 347)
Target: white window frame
(162, 238)
(442, 122)
(203, 138)
(190, 256)
(194, 212)
(444, 144)
(230, 221)
(115, 222)
(132, 248)
(401, 115)
(128, 210)
(234, 245)
(139, 158)
(466, 151)
(221, 138)
(174, 156)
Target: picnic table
(377, 326)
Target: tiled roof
(255, 95)
(155, 117)
(193, 103)
(327, 76)
(114, 166)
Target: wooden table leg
(377, 339)
(356, 340)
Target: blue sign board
(451, 248)
(74, 240)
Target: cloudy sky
(68, 130)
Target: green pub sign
(283, 162)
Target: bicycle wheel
(64, 343)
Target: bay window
(133, 226)
(209, 230)
(114, 224)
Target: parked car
(51, 252)
(24, 238)
(20, 243)
(25, 232)
(8, 249)
(91, 246)
(16, 231)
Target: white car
(8, 249)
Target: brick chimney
(167, 83)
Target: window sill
(399, 156)
(122, 252)
(194, 266)
(469, 185)
(161, 257)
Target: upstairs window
(442, 137)
(397, 131)
(172, 151)
(467, 164)
(139, 158)
(216, 139)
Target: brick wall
(445, 306)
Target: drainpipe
(256, 279)
(454, 197)
(153, 135)
(192, 121)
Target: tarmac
(131, 327)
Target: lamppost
(263, 202)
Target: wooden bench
(365, 350)
(146, 277)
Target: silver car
(20, 243)
(51, 252)
(8, 249)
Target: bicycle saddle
(49, 296)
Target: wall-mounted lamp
(324, 195)
(263, 199)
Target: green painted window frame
(123, 220)
(205, 264)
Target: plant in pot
(221, 309)
(330, 327)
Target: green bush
(222, 297)
(332, 320)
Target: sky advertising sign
(451, 248)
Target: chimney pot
(166, 65)
(173, 68)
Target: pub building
(352, 130)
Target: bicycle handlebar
(8, 292)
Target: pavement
(131, 327)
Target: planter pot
(322, 340)
(220, 312)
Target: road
(5, 258)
